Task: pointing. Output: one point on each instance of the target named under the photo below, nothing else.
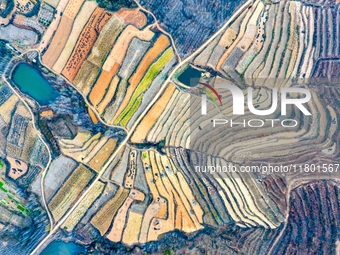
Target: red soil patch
(83, 46)
(102, 21)
(101, 85)
(133, 17)
(93, 116)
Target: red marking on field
(213, 90)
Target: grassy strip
(136, 98)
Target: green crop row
(136, 98)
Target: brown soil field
(160, 226)
(102, 220)
(102, 21)
(72, 9)
(186, 191)
(169, 217)
(158, 206)
(83, 47)
(133, 17)
(101, 85)
(109, 95)
(93, 116)
(100, 158)
(78, 25)
(115, 235)
(17, 168)
(59, 41)
(150, 213)
(47, 37)
(62, 33)
(132, 229)
(161, 43)
(187, 223)
(163, 225)
(154, 113)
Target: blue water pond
(31, 82)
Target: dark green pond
(31, 82)
(61, 248)
(190, 76)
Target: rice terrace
(169, 127)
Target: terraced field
(113, 59)
(318, 201)
(154, 168)
(81, 209)
(101, 157)
(84, 44)
(70, 190)
(103, 218)
(78, 25)
(256, 50)
(135, 99)
(62, 33)
(173, 205)
(225, 195)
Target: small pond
(59, 247)
(31, 82)
(190, 76)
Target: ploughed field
(118, 62)
(259, 50)
(115, 60)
